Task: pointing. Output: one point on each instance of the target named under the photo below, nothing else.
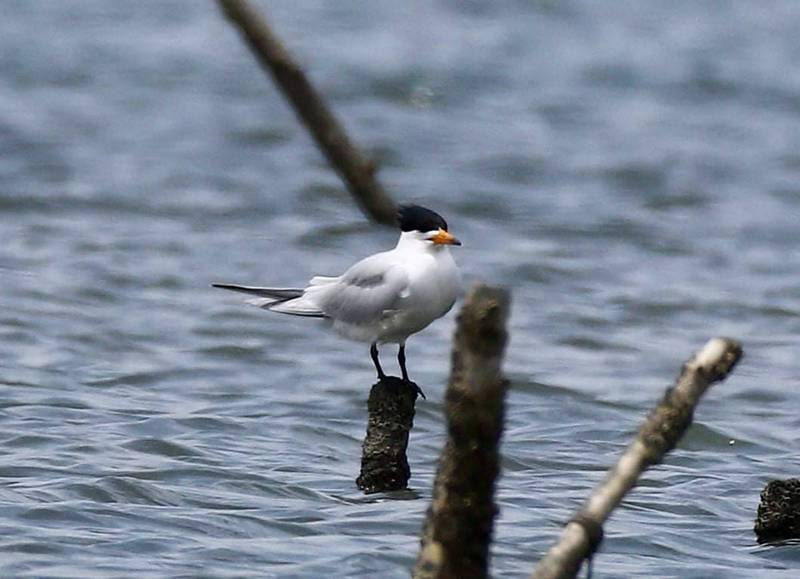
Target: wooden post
(458, 527)
(779, 511)
(384, 466)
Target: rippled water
(629, 169)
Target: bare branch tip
(480, 292)
(718, 357)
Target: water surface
(628, 169)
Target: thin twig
(458, 527)
(353, 167)
(658, 435)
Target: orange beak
(443, 237)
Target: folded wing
(364, 295)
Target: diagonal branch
(353, 167)
(659, 434)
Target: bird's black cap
(416, 218)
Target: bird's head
(425, 225)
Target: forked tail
(282, 300)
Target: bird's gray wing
(365, 294)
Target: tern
(384, 298)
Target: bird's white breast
(434, 284)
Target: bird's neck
(411, 240)
(416, 242)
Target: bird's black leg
(373, 352)
(401, 358)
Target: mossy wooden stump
(384, 466)
(779, 511)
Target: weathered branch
(353, 167)
(458, 527)
(658, 435)
(384, 466)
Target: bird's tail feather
(275, 293)
(282, 300)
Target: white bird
(384, 298)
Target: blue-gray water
(629, 169)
